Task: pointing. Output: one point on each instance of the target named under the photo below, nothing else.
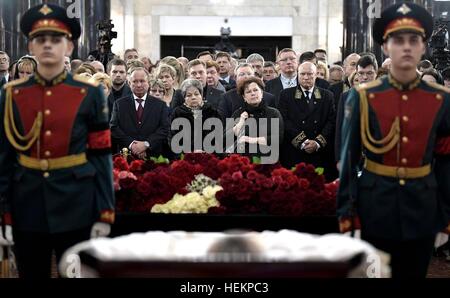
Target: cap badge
(404, 9)
(45, 10)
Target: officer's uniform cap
(49, 18)
(403, 17)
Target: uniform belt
(397, 172)
(53, 163)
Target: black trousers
(409, 259)
(34, 250)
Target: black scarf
(258, 111)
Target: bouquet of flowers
(193, 202)
(202, 183)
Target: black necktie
(140, 110)
(309, 100)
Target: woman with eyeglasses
(196, 112)
(157, 89)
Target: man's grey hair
(132, 70)
(255, 57)
(336, 68)
(348, 57)
(4, 53)
(191, 83)
(313, 66)
(244, 65)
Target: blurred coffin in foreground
(234, 254)
(127, 223)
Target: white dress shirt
(226, 79)
(310, 92)
(288, 82)
(137, 103)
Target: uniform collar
(55, 81)
(402, 87)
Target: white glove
(100, 229)
(7, 239)
(357, 234)
(441, 239)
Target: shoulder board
(437, 86)
(85, 80)
(369, 85)
(15, 83)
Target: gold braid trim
(389, 141)
(12, 133)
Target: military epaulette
(368, 85)
(437, 86)
(15, 83)
(85, 80)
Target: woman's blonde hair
(323, 66)
(352, 78)
(162, 68)
(86, 75)
(25, 63)
(179, 70)
(156, 82)
(102, 78)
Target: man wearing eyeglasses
(366, 68)
(4, 66)
(288, 62)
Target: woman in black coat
(267, 135)
(188, 121)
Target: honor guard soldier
(56, 168)
(396, 121)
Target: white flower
(210, 191)
(193, 202)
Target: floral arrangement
(193, 202)
(203, 183)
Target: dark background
(357, 30)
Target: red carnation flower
(252, 175)
(265, 183)
(144, 188)
(127, 183)
(237, 176)
(136, 166)
(120, 163)
(123, 175)
(304, 183)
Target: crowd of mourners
(303, 93)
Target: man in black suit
(366, 67)
(117, 70)
(232, 101)
(224, 61)
(309, 118)
(4, 67)
(349, 68)
(288, 61)
(140, 122)
(197, 71)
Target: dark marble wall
(358, 24)
(14, 43)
